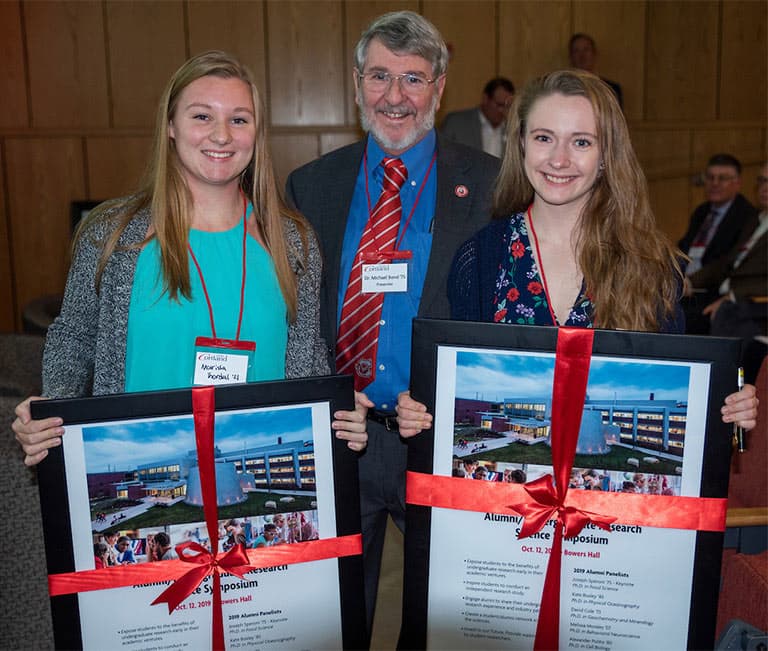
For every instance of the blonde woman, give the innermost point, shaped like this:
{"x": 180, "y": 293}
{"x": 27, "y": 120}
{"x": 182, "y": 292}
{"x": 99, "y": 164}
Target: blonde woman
{"x": 206, "y": 249}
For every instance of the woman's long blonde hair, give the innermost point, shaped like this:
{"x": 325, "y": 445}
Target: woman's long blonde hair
{"x": 631, "y": 271}
{"x": 165, "y": 191}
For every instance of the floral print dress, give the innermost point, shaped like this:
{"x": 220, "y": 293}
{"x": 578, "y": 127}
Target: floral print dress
{"x": 520, "y": 296}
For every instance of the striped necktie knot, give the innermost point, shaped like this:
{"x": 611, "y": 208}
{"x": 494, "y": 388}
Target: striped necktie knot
{"x": 395, "y": 174}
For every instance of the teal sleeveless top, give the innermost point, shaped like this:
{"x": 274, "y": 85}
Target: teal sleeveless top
{"x": 161, "y": 332}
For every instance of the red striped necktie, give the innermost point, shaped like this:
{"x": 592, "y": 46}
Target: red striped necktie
{"x": 358, "y": 337}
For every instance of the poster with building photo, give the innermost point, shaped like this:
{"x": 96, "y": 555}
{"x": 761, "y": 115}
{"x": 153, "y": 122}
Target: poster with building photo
{"x": 126, "y": 490}
{"x": 649, "y": 426}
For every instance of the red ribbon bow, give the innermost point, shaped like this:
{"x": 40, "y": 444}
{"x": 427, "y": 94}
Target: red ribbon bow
{"x": 235, "y": 561}
{"x": 544, "y": 505}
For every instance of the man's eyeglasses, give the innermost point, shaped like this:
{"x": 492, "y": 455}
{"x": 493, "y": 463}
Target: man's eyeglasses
{"x": 410, "y": 82}
{"x": 719, "y": 178}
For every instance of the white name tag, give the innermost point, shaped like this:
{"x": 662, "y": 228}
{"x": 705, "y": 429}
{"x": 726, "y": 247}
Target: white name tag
{"x": 220, "y": 368}
{"x": 387, "y": 277}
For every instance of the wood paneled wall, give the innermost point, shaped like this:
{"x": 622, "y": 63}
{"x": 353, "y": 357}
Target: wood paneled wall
{"x": 81, "y": 80}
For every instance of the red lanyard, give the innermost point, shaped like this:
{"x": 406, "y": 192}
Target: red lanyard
{"x": 242, "y": 284}
{"x": 541, "y": 268}
{"x": 415, "y": 203}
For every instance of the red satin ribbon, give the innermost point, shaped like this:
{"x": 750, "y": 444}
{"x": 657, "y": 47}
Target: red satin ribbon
{"x": 124, "y": 576}
{"x": 204, "y": 412}
{"x": 572, "y": 356}
{"x": 663, "y": 511}
{"x": 540, "y": 501}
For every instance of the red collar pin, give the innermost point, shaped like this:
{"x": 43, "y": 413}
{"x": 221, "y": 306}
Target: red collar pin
{"x": 461, "y": 191}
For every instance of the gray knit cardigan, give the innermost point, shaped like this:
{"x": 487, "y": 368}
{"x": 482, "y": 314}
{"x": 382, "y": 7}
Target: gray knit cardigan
{"x": 85, "y": 348}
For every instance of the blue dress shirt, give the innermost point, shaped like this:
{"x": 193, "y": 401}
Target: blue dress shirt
{"x": 393, "y": 358}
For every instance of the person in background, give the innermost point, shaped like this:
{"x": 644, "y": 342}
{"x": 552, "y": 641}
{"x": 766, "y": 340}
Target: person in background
{"x": 150, "y": 541}
{"x": 300, "y": 528}
{"x": 714, "y": 231}
{"x": 282, "y": 527}
{"x": 206, "y": 249}
{"x": 162, "y": 550}
{"x": 483, "y": 127}
{"x": 582, "y": 53}
{"x": 235, "y": 535}
{"x": 404, "y": 197}
{"x": 111, "y": 541}
{"x": 574, "y": 241}
{"x": 268, "y": 538}
{"x": 741, "y": 310}
{"x": 124, "y": 551}
{"x": 628, "y": 487}
{"x": 515, "y": 476}
{"x": 100, "y": 555}
{"x": 470, "y": 466}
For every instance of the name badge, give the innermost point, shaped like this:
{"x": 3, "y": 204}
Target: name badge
{"x": 385, "y": 277}
{"x": 222, "y": 361}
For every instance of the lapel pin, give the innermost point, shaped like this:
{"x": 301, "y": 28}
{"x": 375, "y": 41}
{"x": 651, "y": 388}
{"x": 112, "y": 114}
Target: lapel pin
{"x": 461, "y": 191}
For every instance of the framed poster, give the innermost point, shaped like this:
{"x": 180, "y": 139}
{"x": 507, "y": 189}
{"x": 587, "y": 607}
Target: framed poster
{"x": 125, "y": 489}
{"x": 650, "y": 426}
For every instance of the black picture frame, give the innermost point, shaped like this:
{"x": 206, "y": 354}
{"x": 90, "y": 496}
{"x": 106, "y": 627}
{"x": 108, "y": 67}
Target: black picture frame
{"x": 430, "y": 335}
{"x": 335, "y": 391}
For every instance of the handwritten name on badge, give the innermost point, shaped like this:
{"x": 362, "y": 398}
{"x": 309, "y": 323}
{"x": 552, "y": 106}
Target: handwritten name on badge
{"x": 392, "y": 277}
{"x": 220, "y": 368}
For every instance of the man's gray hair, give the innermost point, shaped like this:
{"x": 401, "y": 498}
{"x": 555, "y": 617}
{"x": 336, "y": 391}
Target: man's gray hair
{"x": 405, "y": 32}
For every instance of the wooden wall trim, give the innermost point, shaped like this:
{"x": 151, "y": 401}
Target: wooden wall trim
{"x": 82, "y": 77}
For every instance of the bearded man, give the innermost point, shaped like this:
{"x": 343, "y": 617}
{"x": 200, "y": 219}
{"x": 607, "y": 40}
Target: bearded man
{"x": 390, "y": 211}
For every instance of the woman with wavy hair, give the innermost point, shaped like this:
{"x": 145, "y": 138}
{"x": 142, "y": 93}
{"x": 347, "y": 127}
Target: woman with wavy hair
{"x": 204, "y": 257}
{"x": 574, "y": 241}
{"x": 572, "y": 210}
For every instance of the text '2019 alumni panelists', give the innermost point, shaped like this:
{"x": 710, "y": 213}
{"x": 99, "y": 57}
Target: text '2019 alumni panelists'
{"x": 403, "y": 197}
{"x": 206, "y": 248}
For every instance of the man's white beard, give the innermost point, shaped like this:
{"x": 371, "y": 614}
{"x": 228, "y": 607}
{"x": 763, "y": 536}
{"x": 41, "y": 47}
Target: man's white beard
{"x": 419, "y": 130}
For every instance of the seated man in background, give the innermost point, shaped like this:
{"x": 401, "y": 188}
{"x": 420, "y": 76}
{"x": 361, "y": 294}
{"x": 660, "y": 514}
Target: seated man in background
{"x": 715, "y": 229}
{"x": 582, "y": 53}
{"x": 741, "y": 310}
{"x": 483, "y": 127}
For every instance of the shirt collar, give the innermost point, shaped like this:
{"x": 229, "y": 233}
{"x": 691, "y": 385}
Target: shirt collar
{"x": 416, "y": 159}
{"x": 723, "y": 208}
{"x": 485, "y": 122}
